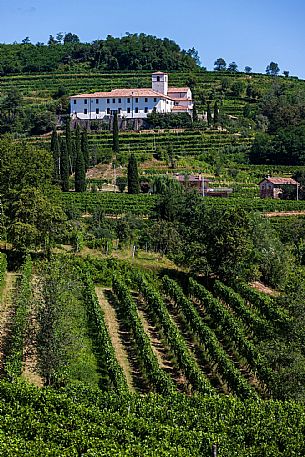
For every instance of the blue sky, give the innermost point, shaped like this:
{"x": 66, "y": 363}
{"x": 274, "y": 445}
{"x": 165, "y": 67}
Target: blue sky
{"x": 249, "y": 33}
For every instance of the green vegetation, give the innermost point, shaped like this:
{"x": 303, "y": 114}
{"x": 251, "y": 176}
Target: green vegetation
{"x": 150, "y": 293}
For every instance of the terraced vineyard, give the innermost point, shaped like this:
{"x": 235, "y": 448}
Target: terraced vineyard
{"x": 39, "y": 87}
{"x": 143, "y": 145}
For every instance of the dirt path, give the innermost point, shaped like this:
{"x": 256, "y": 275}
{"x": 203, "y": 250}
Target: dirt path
{"x": 160, "y": 352}
{"x": 30, "y": 369}
{"x": 284, "y": 214}
{"x": 6, "y": 313}
{"x": 113, "y": 327}
{"x": 265, "y": 289}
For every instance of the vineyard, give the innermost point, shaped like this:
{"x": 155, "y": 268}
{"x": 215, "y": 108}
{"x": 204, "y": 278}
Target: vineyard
{"x": 143, "y": 204}
{"x": 138, "y": 364}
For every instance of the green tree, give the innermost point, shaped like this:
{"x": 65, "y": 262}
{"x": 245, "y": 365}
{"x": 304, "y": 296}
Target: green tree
{"x": 209, "y": 115}
{"x": 55, "y": 149}
{"x": 232, "y": 67}
{"x": 272, "y": 69}
{"x": 69, "y": 145}
{"x": 216, "y": 114}
{"x": 220, "y": 64}
{"x": 64, "y": 167}
{"x": 80, "y": 171}
{"x": 35, "y": 221}
{"x": 115, "y": 134}
{"x": 85, "y": 148}
{"x": 132, "y": 175}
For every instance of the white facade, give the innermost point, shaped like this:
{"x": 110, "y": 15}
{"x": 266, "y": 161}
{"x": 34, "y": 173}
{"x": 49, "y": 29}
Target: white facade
{"x": 133, "y": 103}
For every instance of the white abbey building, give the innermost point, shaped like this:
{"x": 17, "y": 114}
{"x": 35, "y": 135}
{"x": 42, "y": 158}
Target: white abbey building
{"x": 133, "y": 103}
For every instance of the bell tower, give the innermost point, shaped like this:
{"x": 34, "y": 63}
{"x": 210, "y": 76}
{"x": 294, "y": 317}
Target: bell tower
{"x": 159, "y": 82}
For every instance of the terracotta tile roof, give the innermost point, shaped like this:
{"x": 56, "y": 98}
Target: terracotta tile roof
{"x": 178, "y": 89}
{"x": 181, "y": 99}
{"x": 124, "y": 93}
{"x": 280, "y": 181}
{"x": 159, "y": 73}
{"x": 180, "y": 108}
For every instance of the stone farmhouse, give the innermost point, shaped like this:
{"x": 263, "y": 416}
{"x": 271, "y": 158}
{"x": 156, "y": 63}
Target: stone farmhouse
{"x": 272, "y": 187}
{"x": 133, "y": 103}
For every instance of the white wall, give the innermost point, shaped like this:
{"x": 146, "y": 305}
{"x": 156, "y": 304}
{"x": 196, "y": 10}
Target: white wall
{"x": 77, "y": 108}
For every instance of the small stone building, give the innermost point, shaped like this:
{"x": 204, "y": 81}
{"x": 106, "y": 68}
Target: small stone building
{"x": 273, "y": 187}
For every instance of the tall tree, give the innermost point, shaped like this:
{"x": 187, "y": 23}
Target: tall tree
{"x": 64, "y": 167}
{"x": 195, "y": 113}
{"x": 115, "y": 134}
{"x": 209, "y": 114}
{"x": 69, "y": 145}
{"x": 80, "y": 172}
{"x": 55, "y": 149}
{"x": 220, "y": 64}
{"x": 216, "y": 114}
{"x": 85, "y": 148}
{"x": 133, "y": 176}
{"x": 272, "y": 69}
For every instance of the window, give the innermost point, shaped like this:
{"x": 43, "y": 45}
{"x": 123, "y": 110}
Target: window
{"x": 136, "y": 110}
{"x": 137, "y": 100}
{"x": 128, "y": 100}
{"x": 128, "y": 110}
{"x": 146, "y": 110}
{"x": 119, "y": 111}
{"x": 85, "y": 101}
{"x": 155, "y": 100}
{"x": 113, "y": 100}
{"x": 108, "y": 100}
{"x": 97, "y": 111}
{"x": 85, "y": 111}
{"x": 146, "y": 100}
{"x": 158, "y": 78}
{"x": 120, "y": 100}
{"x": 96, "y": 101}
{"x": 108, "y": 110}
{"x": 74, "y": 101}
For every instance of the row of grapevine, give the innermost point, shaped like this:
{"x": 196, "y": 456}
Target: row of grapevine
{"x": 109, "y": 202}
{"x": 173, "y": 336}
{"x": 157, "y": 378}
{"x": 103, "y": 341}
{"x": 264, "y": 303}
{"x": 232, "y": 327}
{"x": 14, "y": 358}
{"x": 261, "y": 327}
{"x": 83, "y": 421}
{"x": 225, "y": 366}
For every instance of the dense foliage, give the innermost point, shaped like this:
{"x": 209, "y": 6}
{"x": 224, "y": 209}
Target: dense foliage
{"x": 131, "y": 52}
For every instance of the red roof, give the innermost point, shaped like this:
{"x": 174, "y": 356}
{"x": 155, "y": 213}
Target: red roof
{"x": 180, "y": 108}
{"x": 281, "y": 181}
{"x": 124, "y": 93}
{"x": 178, "y": 89}
{"x": 159, "y": 73}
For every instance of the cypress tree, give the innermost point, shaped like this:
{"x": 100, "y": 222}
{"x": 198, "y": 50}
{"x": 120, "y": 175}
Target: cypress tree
{"x": 209, "y": 115}
{"x": 64, "y": 167}
{"x": 80, "y": 172}
{"x": 72, "y": 158}
{"x": 132, "y": 175}
{"x": 85, "y": 148}
{"x": 55, "y": 149}
{"x": 195, "y": 114}
{"x": 69, "y": 145}
{"x": 115, "y": 134}
{"x": 216, "y": 114}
